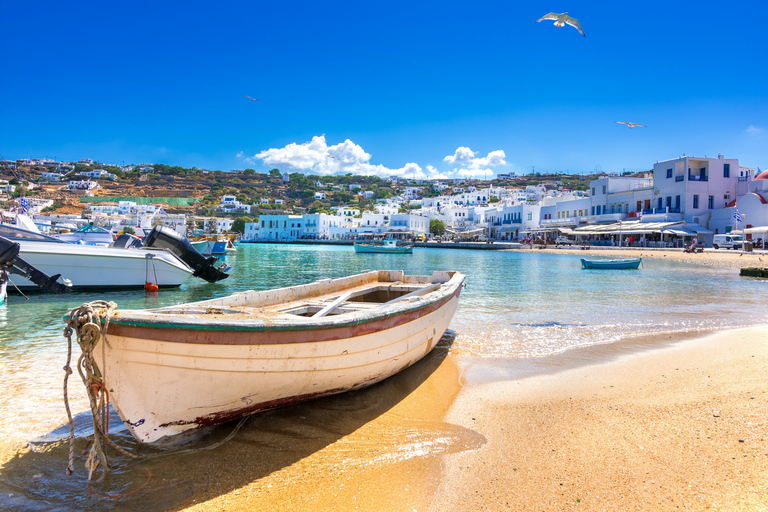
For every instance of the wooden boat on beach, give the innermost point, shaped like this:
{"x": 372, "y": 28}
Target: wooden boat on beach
{"x": 608, "y": 264}
{"x": 389, "y": 246}
{"x": 174, "y": 369}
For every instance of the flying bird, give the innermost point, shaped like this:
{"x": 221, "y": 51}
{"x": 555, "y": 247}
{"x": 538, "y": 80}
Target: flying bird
{"x": 631, "y": 125}
{"x": 562, "y": 20}
{"x": 253, "y": 99}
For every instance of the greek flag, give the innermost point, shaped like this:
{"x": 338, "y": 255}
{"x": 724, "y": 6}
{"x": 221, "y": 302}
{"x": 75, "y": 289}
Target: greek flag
{"x": 737, "y": 216}
{"x": 24, "y": 205}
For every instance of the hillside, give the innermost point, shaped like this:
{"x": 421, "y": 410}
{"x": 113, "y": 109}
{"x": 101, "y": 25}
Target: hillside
{"x": 298, "y": 194}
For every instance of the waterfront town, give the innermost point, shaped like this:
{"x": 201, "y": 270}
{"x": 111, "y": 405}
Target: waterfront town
{"x": 678, "y": 200}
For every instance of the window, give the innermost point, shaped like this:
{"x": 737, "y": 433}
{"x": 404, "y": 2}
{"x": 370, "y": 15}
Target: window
{"x": 695, "y": 201}
{"x": 711, "y": 202}
{"x": 262, "y": 223}
{"x": 604, "y": 189}
{"x": 669, "y": 173}
{"x": 726, "y": 170}
{"x": 593, "y": 190}
{"x": 530, "y": 215}
{"x": 593, "y": 210}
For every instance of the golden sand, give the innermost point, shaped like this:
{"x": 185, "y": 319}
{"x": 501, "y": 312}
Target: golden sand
{"x": 678, "y": 428}
{"x": 683, "y": 426}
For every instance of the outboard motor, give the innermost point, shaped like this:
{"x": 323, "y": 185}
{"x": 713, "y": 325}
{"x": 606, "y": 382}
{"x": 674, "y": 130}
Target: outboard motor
{"x": 205, "y": 268}
{"x": 11, "y": 263}
{"x": 126, "y": 240}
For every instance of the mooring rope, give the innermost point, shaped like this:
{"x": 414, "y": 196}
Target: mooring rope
{"x": 90, "y": 323}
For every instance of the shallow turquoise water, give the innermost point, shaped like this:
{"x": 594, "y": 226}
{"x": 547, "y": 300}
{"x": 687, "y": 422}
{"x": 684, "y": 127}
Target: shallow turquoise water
{"x": 516, "y": 304}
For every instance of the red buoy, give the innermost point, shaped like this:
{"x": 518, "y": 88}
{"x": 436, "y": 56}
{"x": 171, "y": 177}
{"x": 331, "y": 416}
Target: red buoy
{"x": 151, "y": 287}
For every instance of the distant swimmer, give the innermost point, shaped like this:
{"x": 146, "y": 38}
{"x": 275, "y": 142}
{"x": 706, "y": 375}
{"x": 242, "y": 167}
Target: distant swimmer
{"x": 252, "y": 99}
{"x": 562, "y": 20}
{"x": 631, "y": 125}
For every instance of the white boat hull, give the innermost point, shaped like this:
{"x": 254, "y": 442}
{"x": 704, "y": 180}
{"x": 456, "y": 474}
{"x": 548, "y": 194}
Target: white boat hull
{"x": 181, "y": 381}
{"x": 96, "y": 268}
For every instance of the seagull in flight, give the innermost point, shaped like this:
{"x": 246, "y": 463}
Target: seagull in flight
{"x": 562, "y": 20}
{"x": 631, "y": 125}
{"x": 252, "y": 99}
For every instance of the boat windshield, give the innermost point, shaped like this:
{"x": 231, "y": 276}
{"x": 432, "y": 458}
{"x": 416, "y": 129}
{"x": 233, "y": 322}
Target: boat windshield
{"x": 14, "y": 233}
{"x": 90, "y": 228}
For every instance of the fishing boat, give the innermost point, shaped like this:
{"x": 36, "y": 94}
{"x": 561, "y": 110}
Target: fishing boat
{"x": 617, "y": 264}
{"x": 175, "y": 369}
{"x": 389, "y": 246}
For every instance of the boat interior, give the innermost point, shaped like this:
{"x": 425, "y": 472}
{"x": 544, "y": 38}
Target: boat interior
{"x": 336, "y": 297}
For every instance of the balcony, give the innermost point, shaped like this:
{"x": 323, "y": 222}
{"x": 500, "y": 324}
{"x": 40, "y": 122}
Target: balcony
{"x": 679, "y": 178}
{"x": 695, "y": 177}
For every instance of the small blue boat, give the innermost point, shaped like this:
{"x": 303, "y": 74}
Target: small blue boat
{"x": 622, "y": 263}
{"x": 389, "y": 246}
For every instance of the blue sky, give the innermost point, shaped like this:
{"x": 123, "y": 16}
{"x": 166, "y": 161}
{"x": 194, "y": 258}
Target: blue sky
{"x": 414, "y": 88}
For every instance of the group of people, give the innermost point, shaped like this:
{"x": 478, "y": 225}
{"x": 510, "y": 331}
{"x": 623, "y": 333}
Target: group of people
{"x": 692, "y": 247}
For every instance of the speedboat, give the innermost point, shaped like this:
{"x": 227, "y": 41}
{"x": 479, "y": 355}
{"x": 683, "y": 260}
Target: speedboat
{"x": 163, "y": 259}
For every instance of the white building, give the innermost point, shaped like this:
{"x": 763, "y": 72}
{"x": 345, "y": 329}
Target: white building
{"x": 280, "y": 227}
{"x": 82, "y": 185}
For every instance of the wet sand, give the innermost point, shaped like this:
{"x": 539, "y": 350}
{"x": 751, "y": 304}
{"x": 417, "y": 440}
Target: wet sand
{"x": 618, "y": 428}
{"x": 678, "y": 428}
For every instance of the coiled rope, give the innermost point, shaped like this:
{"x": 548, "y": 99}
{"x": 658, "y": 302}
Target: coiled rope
{"x": 90, "y": 323}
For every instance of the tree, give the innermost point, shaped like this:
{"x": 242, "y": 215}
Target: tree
{"x": 436, "y": 227}
{"x": 494, "y": 199}
{"x": 249, "y": 171}
{"x": 238, "y": 225}
{"x": 274, "y": 172}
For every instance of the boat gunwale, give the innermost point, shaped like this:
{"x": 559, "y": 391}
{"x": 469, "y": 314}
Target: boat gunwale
{"x": 155, "y": 319}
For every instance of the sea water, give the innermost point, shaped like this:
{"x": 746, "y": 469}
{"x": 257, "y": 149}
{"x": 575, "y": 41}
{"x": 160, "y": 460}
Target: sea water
{"x": 519, "y": 304}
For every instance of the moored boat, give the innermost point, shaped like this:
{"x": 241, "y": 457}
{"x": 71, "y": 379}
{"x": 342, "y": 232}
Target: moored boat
{"x": 625, "y": 263}
{"x": 174, "y": 369}
{"x": 389, "y": 246}
{"x": 163, "y": 260}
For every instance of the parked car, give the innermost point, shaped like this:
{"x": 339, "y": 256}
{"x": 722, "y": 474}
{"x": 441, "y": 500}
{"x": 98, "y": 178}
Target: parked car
{"x": 564, "y": 240}
{"x": 727, "y": 241}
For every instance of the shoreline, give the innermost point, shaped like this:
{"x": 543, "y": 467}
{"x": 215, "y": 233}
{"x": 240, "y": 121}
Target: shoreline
{"x": 682, "y": 425}
{"x": 710, "y": 257}
{"x": 625, "y": 426}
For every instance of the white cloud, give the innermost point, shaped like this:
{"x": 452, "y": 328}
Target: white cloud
{"x": 753, "y": 129}
{"x": 239, "y": 154}
{"x": 317, "y": 157}
{"x": 461, "y": 156}
{"x": 435, "y": 174}
{"x": 476, "y": 167}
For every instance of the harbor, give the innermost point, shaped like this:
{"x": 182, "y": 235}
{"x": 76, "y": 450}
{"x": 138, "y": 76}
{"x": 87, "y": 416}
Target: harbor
{"x": 509, "y": 328}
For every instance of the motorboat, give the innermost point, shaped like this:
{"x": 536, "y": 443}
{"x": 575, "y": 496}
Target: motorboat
{"x": 88, "y": 235}
{"x": 625, "y": 263}
{"x": 178, "y": 368}
{"x": 162, "y": 259}
{"x": 388, "y": 246}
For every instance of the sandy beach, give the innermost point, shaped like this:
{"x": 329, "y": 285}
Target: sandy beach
{"x": 655, "y": 424}
{"x": 710, "y": 257}
{"x": 642, "y": 425}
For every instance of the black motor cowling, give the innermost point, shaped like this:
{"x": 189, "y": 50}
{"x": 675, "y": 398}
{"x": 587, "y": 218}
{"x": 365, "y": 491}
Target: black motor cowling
{"x": 205, "y": 268}
{"x": 11, "y": 263}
